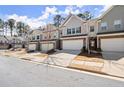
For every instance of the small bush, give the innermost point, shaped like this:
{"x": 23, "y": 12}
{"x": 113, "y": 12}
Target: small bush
{"x": 99, "y": 49}
{"x": 83, "y": 49}
{"x": 51, "y": 51}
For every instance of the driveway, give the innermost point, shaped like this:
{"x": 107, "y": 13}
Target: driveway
{"x": 113, "y": 55}
{"x": 15, "y": 72}
{"x": 114, "y": 64}
{"x": 63, "y": 57}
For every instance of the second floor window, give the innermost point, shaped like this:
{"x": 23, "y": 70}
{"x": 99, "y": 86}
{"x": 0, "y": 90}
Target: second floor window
{"x": 73, "y": 30}
{"x": 33, "y": 38}
{"x": 68, "y": 31}
{"x": 117, "y": 24}
{"x": 38, "y": 37}
{"x": 45, "y": 37}
{"x": 104, "y": 26}
{"x": 78, "y": 30}
{"x": 91, "y": 28}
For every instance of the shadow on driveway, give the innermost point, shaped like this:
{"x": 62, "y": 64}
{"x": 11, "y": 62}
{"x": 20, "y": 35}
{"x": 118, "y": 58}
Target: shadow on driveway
{"x": 113, "y": 55}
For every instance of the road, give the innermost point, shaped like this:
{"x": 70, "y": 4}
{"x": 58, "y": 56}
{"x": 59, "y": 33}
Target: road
{"x": 15, "y": 72}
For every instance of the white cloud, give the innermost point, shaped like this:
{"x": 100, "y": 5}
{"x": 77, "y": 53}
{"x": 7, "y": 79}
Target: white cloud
{"x": 71, "y": 9}
{"x": 33, "y": 22}
{"x": 105, "y": 8}
{"x": 80, "y": 6}
{"x": 96, "y": 9}
{"x": 48, "y": 11}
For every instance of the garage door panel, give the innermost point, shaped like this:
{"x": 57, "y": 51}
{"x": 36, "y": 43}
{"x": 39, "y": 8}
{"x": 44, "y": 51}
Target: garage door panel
{"x": 113, "y": 44}
{"x": 32, "y": 47}
{"x": 72, "y": 44}
{"x": 46, "y": 47}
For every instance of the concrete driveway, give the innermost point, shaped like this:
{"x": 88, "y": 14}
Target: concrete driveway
{"x": 63, "y": 57}
{"x": 113, "y": 55}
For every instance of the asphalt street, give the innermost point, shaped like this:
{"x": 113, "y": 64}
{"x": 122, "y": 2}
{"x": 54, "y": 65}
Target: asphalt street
{"x": 16, "y": 72}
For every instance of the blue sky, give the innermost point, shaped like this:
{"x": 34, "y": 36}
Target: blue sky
{"x": 36, "y": 15}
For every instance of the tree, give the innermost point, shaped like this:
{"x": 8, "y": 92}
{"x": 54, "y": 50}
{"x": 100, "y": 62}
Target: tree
{"x": 26, "y": 29}
{"x": 81, "y": 15}
{"x": 11, "y": 23}
{"x": 2, "y": 26}
{"x": 20, "y": 28}
{"x": 57, "y": 20}
{"x": 6, "y": 27}
{"x": 86, "y": 15}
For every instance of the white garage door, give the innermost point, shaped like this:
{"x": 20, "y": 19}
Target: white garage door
{"x": 72, "y": 44}
{"x": 46, "y": 47}
{"x": 32, "y": 47}
{"x": 18, "y": 46}
{"x": 113, "y": 44}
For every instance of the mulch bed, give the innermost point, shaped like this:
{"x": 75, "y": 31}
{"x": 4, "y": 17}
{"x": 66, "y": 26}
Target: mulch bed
{"x": 93, "y": 57}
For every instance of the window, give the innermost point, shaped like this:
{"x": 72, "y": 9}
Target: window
{"x": 54, "y": 36}
{"x": 117, "y": 24}
{"x": 73, "y": 30}
{"x": 45, "y": 37}
{"x": 68, "y": 31}
{"x": 104, "y": 26}
{"x": 38, "y": 37}
{"x": 33, "y": 38}
{"x": 91, "y": 28}
{"x": 78, "y": 30}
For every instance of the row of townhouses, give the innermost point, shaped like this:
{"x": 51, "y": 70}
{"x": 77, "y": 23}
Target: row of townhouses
{"x": 105, "y": 33}
{"x": 7, "y": 42}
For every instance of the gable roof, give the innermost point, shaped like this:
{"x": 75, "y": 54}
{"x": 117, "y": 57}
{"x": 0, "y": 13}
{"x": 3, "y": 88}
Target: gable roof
{"x": 36, "y": 31}
{"x": 69, "y": 17}
{"x": 107, "y": 11}
{"x": 49, "y": 27}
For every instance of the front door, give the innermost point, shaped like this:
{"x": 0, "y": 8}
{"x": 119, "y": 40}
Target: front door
{"x": 93, "y": 43}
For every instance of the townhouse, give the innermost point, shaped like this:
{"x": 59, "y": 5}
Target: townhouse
{"x": 92, "y": 29}
{"x": 4, "y": 44}
{"x": 50, "y": 38}
{"x": 7, "y": 42}
{"x": 73, "y": 33}
{"x": 110, "y": 36}
{"x": 105, "y": 33}
{"x": 34, "y": 38}
{"x": 44, "y": 39}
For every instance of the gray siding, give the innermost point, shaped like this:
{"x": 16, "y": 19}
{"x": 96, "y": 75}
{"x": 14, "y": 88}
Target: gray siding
{"x": 116, "y": 13}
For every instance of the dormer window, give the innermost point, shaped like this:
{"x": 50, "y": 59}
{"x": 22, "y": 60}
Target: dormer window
{"x": 104, "y": 26}
{"x": 117, "y": 24}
